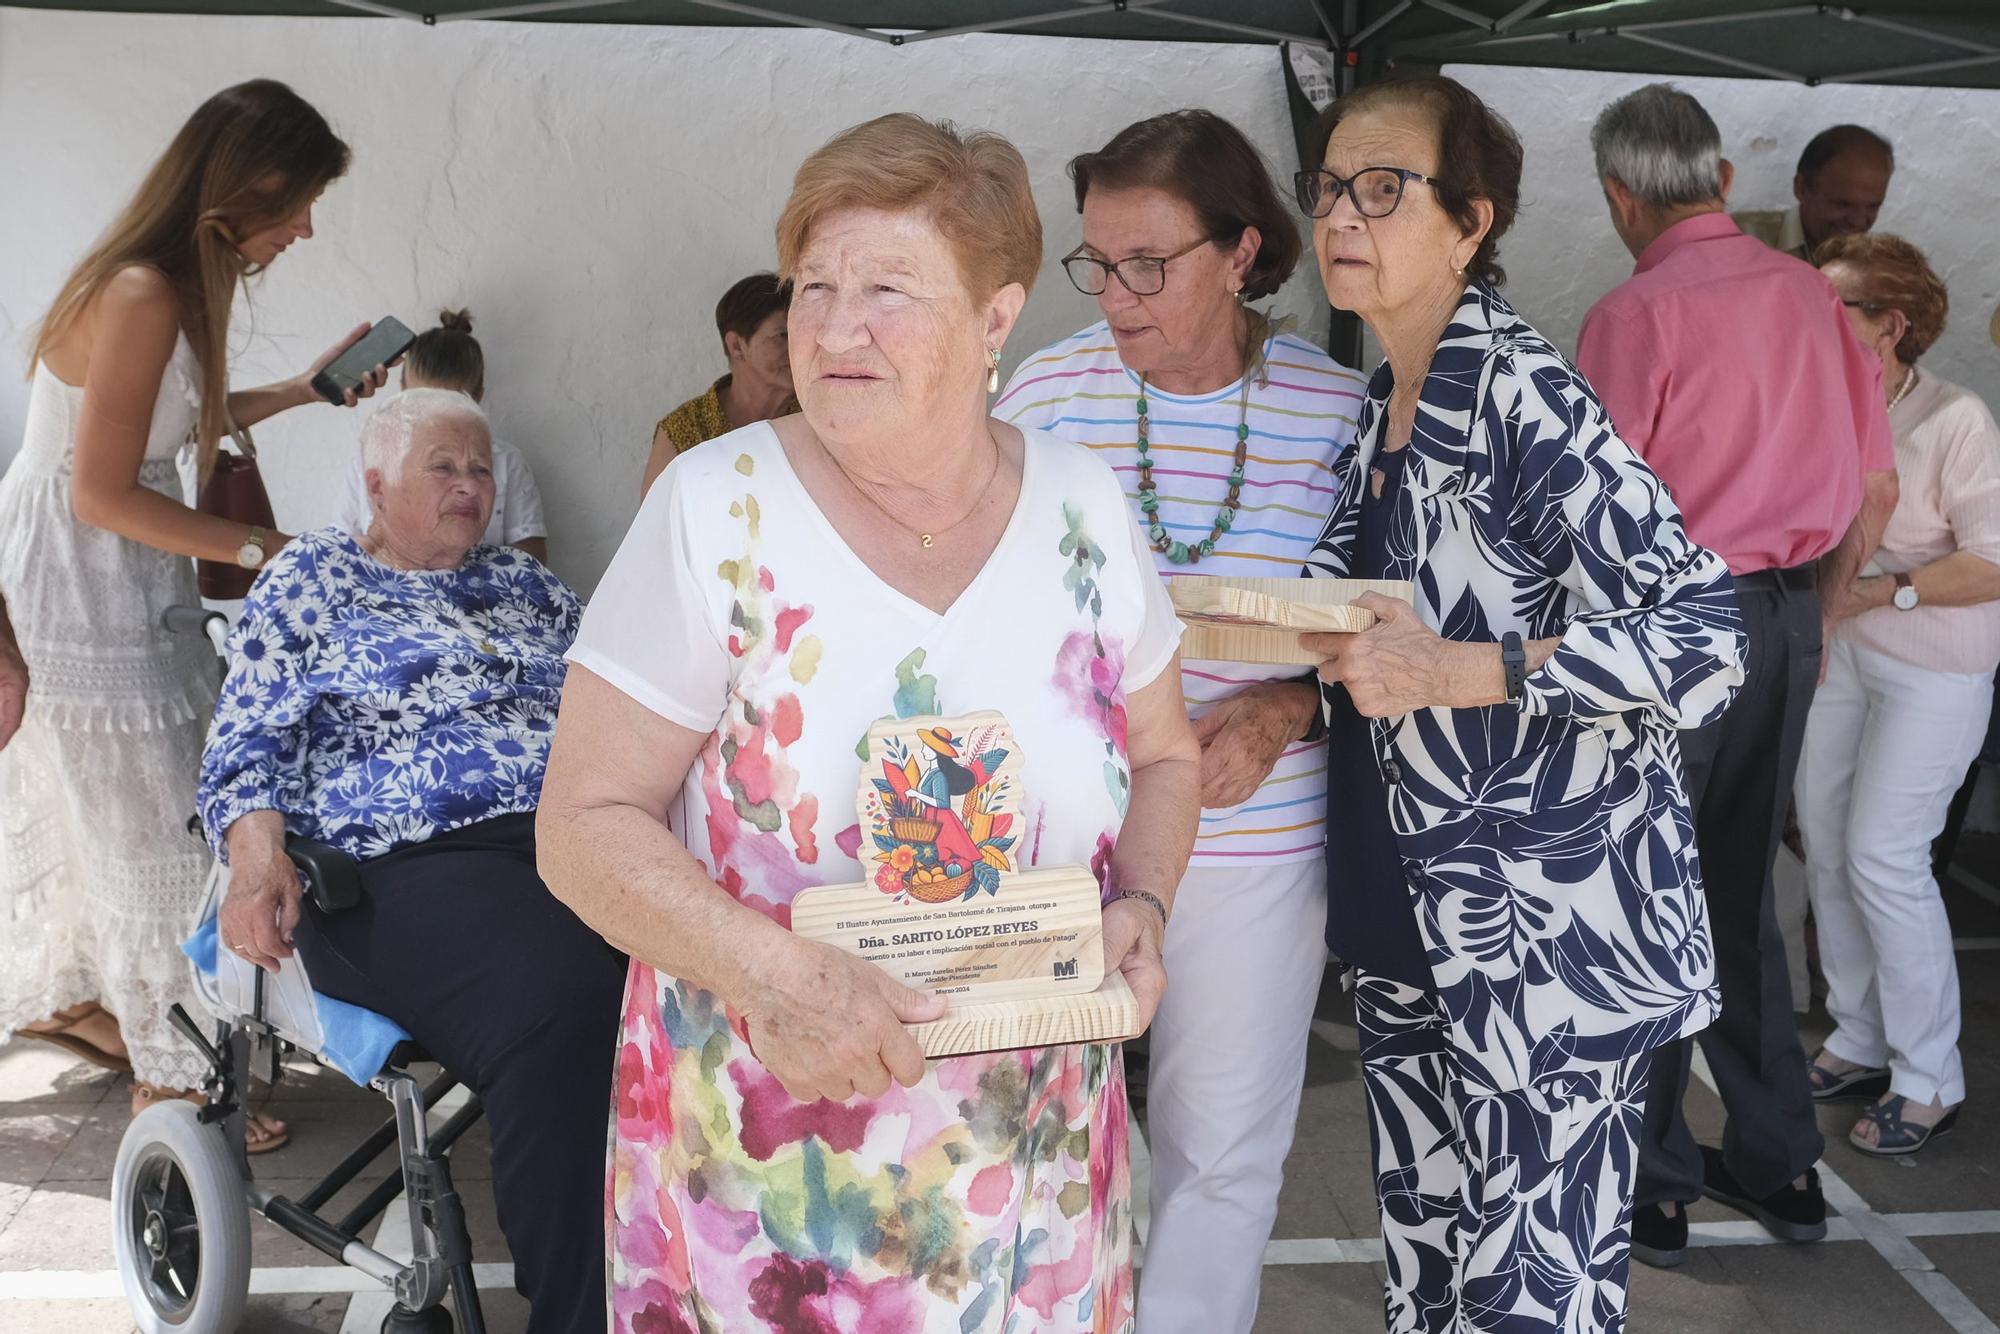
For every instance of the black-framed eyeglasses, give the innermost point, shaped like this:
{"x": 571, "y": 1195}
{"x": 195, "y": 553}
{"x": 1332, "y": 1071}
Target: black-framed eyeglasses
{"x": 1375, "y": 190}
{"x": 1865, "y": 307}
{"x": 1141, "y": 275}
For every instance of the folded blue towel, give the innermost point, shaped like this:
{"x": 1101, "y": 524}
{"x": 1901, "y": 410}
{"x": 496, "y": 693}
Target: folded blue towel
{"x": 357, "y": 1042}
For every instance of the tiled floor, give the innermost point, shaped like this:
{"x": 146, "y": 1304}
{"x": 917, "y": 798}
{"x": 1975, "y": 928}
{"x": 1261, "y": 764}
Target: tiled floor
{"x": 1918, "y": 1249}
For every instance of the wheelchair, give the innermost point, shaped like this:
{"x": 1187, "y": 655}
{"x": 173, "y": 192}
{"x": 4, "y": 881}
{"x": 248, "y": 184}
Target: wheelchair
{"x": 182, "y": 1190}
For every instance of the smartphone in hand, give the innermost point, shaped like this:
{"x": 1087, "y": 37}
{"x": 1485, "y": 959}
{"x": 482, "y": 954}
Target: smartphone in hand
{"x": 389, "y": 339}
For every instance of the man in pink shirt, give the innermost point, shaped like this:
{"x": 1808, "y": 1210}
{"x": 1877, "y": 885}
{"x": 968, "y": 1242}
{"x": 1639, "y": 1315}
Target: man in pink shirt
{"x": 1731, "y": 370}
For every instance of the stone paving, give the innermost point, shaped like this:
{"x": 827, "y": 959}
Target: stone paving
{"x": 1915, "y": 1247}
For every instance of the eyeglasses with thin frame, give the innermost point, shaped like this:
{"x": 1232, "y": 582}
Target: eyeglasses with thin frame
{"x": 1865, "y": 307}
{"x": 1141, "y": 275}
{"x": 1375, "y": 190}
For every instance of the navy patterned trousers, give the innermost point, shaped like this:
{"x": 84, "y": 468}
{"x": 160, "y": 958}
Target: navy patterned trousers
{"x": 1503, "y": 1212}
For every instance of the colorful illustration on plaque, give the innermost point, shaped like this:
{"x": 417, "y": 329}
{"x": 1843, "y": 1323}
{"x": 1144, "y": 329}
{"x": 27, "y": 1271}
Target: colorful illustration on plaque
{"x": 942, "y": 810}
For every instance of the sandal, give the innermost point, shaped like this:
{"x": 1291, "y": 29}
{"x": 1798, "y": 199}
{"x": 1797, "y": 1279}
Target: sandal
{"x": 1895, "y": 1137}
{"x": 1861, "y": 1084}
{"x": 254, "y": 1122}
{"x": 63, "y": 1035}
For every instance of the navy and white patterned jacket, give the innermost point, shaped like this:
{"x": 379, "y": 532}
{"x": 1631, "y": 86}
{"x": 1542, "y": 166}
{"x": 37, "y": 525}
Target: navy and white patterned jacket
{"x": 1548, "y": 844}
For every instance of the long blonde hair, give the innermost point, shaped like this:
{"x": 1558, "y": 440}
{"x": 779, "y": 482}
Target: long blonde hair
{"x": 250, "y": 157}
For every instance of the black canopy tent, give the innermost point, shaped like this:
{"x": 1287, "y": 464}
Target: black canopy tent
{"x": 1931, "y": 42}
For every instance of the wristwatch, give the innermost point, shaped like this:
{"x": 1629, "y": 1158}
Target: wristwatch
{"x": 252, "y": 554}
{"x": 1316, "y": 728}
{"x": 1514, "y": 664}
{"x": 1906, "y": 598}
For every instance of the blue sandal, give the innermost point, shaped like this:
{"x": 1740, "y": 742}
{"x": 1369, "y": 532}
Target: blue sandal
{"x": 1861, "y": 1084}
{"x": 1895, "y": 1137}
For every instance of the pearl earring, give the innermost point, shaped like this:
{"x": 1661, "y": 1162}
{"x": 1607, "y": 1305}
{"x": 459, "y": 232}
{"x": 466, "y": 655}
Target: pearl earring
{"x": 993, "y": 372}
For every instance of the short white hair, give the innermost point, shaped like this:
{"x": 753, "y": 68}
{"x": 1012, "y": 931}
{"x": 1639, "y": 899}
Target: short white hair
{"x": 386, "y": 436}
{"x": 1660, "y": 144}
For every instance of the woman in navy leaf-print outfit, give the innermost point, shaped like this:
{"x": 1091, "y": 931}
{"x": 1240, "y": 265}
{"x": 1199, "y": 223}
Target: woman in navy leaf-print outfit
{"x": 1520, "y": 894}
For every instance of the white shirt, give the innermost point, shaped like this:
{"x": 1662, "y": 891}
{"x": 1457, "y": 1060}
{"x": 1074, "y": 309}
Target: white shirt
{"x": 517, "y": 501}
{"x": 1948, "y": 467}
{"x": 735, "y": 609}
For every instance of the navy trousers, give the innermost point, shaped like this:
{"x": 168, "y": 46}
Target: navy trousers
{"x": 458, "y": 940}
{"x": 1739, "y": 778}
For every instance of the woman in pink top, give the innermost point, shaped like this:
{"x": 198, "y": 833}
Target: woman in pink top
{"x": 1909, "y": 686}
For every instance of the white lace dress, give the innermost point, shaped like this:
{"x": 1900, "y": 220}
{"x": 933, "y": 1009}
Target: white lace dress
{"x": 99, "y": 876}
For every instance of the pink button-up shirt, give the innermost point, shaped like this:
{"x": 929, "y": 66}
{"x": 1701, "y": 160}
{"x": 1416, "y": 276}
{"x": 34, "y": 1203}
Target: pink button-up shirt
{"x": 1731, "y": 370}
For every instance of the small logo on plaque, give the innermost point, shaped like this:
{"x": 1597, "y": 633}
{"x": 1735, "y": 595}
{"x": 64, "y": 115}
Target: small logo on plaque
{"x": 1064, "y": 967}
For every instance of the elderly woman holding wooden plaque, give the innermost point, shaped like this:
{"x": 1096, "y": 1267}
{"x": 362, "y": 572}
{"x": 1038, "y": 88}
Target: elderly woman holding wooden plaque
{"x": 1524, "y": 906}
{"x": 783, "y": 1157}
{"x": 1224, "y": 429}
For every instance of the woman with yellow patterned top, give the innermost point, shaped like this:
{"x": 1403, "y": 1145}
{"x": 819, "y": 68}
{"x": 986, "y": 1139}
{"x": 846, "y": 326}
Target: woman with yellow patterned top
{"x": 751, "y": 320}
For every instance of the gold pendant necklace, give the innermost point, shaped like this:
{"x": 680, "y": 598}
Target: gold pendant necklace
{"x": 466, "y": 626}
{"x": 924, "y": 540}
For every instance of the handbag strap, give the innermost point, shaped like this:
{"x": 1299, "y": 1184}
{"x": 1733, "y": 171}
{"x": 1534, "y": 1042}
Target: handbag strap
{"x": 238, "y": 435}
{"x": 241, "y": 435}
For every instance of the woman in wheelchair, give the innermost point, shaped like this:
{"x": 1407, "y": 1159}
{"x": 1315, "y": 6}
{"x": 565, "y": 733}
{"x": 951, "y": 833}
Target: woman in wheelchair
{"x": 393, "y": 695}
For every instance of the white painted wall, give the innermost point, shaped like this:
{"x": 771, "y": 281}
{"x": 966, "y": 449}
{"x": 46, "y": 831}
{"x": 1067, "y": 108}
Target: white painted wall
{"x": 587, "y": 191}
{"x": 1562, "y": 254}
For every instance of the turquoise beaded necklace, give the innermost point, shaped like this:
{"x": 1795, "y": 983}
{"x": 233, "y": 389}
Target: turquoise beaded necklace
{"x": 1178, "y": 552}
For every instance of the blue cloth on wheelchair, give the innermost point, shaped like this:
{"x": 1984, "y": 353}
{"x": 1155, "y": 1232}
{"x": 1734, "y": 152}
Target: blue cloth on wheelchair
{"x": 358, "y": 1041}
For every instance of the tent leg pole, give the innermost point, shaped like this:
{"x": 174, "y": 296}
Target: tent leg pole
{"x": 1345, "y": 327}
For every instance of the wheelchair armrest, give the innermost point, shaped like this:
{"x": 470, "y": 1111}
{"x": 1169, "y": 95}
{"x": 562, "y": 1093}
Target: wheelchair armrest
{"x": 333, "y": 879}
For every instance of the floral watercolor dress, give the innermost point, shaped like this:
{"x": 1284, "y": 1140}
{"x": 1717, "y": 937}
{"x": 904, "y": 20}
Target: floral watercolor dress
{"x": 994, "y": 1196}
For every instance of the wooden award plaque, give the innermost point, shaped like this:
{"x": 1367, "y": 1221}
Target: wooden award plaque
{"x": 1018, "y": 955}
{"x": 1231, "y": 619}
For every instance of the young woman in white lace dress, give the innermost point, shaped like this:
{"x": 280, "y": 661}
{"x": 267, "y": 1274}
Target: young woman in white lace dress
{"x": 99, "y": 877}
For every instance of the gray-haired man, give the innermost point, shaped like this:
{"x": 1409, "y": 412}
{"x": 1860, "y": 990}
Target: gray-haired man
{"x": 1730, "y": 369}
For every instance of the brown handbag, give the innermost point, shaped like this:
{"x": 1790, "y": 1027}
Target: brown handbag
{"x": 235, "y": 491}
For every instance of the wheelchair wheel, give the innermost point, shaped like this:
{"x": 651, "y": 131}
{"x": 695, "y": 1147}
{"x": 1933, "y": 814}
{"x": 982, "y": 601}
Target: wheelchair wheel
{"x": 437, "y": 1320}
{"x": 180, "y": 1224}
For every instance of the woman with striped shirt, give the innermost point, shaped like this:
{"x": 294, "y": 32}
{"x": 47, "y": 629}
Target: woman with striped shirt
{"x": 1224, "y": 430}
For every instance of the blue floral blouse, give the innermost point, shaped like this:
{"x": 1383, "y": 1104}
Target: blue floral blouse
{"x": 375, "y": 707}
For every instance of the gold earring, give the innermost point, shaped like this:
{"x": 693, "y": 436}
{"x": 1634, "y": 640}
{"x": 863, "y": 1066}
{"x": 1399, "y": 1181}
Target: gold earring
{"x": 993, "y": 372}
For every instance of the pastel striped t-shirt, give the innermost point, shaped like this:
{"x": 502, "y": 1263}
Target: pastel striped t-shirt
{"x": 1300, "y": 420}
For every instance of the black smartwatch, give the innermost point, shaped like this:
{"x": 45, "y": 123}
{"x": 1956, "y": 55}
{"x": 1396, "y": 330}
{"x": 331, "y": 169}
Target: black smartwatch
{"x": 1316, "y": 729}
{"x": 1514, "y": 661}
